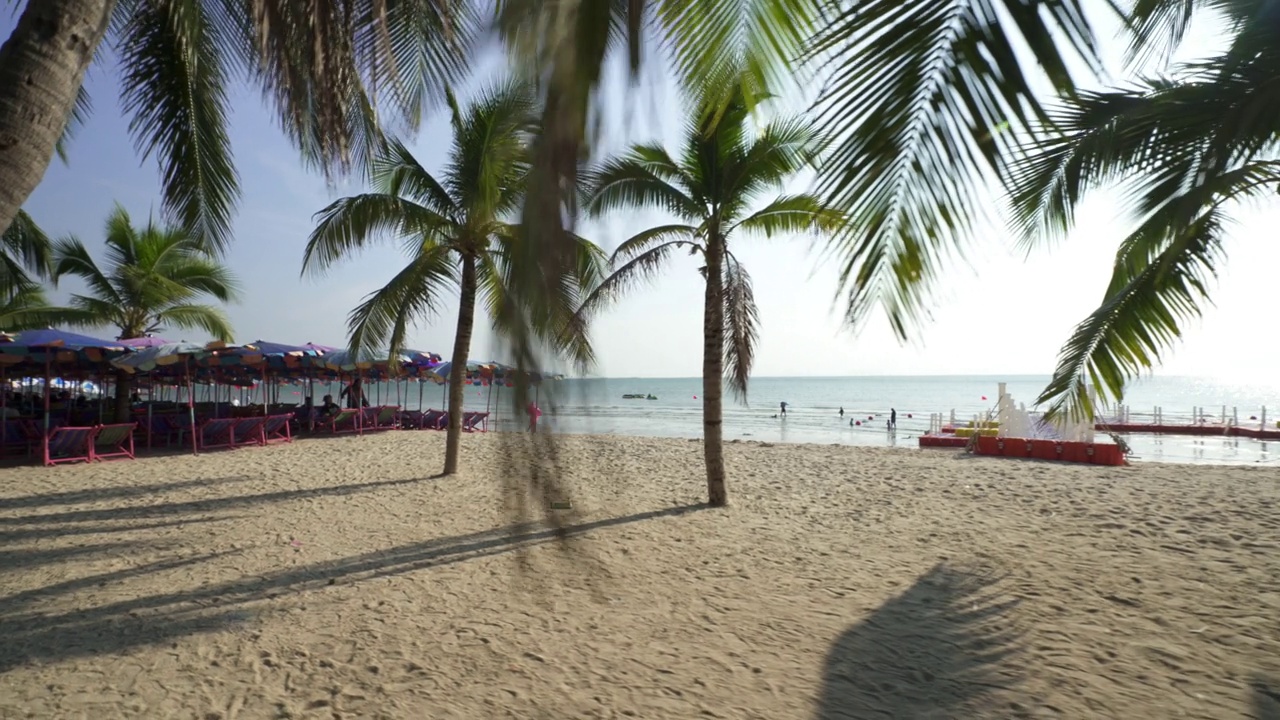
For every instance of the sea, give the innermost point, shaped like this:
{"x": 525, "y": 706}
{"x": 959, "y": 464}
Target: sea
{"x": 813, "y": 409}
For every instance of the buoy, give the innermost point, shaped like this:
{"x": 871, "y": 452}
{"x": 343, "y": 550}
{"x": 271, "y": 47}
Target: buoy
{"x": 858, "y": 422}
{"x": 695, "y": 397}
{"x": 908, "y": 415}
{"x": 871, "y": 417}
{"x": 984, "y": 397}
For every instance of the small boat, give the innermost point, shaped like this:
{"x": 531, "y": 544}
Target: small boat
{"x": 635, "y": 396}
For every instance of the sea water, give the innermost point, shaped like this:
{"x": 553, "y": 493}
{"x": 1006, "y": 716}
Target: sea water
{"x": 813, "y": 409}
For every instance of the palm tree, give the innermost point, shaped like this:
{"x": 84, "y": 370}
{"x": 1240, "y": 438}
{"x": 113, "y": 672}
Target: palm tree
{"x": 319, "y": 62}
{"x": 722, "y": 169}
{"x": 924, "y": 102}
{"x": 1189, "y": 147}
{"x": 156, "y": 277}
{"x": 455, "y": 228}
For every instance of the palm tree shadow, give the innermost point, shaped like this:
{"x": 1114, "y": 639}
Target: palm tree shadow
{"x": 1265, "y": 697}
{"x": 33, "y": 634}
{"x": 936, "y": 650}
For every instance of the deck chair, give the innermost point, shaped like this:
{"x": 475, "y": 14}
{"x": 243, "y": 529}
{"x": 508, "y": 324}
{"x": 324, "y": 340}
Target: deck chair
{"x": 69, "y": 444}
{"x": 411, "y": 419}
{"x": 344, "y": 421}
{"x": 475, "y": 421}
{"x": 276, "y": 429}
{"x": 216, "y": 433}
{"x": 114, "y": 441}
{"x": 248, "y": 431}
{"x": 435, "y": 420}
{"x": 383, "y": 417}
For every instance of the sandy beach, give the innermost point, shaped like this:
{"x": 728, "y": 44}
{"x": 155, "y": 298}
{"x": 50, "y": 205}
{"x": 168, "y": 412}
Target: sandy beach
{"x": 336, "y": 578}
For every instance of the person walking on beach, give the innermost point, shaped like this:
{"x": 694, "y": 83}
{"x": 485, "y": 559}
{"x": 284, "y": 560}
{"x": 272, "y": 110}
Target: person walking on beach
{"x": 354, "y": 393}
{"x": 893, "y": 418}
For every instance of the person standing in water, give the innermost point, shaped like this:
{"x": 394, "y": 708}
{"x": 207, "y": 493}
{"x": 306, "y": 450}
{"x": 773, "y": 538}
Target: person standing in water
{"x": 784, "y": 408}
{"x": 893, "y": 418}
{"x": 842, "y": 411}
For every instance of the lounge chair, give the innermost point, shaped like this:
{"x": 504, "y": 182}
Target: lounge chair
{"x": 475, "y": 421}
{"x": 114, "y": 441}
{"x": 68, "y": 445}
{"x": 382, "y": 418}
{"x": 216, "y": 433}
{"x": 344, "y": 421}
{"x": 276, "y": 429}
{"x": 248, "y": 431}
{"x": 435, "y": 419}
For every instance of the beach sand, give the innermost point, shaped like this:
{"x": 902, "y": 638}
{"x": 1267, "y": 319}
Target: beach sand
{"x": 336, "y": 578}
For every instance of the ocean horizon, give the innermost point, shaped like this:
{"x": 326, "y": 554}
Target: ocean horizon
{"x": 597, "y": 406}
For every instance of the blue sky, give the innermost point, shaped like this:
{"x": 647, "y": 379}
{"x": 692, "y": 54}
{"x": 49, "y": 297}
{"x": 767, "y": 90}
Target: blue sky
{"x": 1003, "y": 312}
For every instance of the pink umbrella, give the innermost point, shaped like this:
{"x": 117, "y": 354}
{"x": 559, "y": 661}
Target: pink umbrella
{"x": 145, "y": 342}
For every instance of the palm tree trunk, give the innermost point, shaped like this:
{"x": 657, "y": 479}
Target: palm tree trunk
{"x": 42, "y": 65}
{"x": 713, "y": 373}
{"x": 124, "y": 389}
{"x": 458, "y": 370}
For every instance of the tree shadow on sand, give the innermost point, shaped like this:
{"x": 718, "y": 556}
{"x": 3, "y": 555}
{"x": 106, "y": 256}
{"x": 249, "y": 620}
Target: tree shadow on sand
{"x": 939, "y": 649}
{"x": 112, "y": 493}
{"x": 1265, "y": 696}
{"x": 32, "y": 634}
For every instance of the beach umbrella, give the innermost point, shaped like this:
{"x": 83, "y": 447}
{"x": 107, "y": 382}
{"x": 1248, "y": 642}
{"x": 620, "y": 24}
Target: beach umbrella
{"x": 153, "y": 356}
{"x": 144, "y": 342}
{"x": 65, "y": 346}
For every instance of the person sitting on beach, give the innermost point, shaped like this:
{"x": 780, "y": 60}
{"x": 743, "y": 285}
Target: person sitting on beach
{"x": 329, "y": 407}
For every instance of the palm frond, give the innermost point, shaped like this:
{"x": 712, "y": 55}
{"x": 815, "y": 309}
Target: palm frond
{"x": 382, "y": 320}
{"x": 174, "y": 86}
{"x": 80, "y": 113}
{"x": 644, "y": 239}
{"x": 26, "y": 253}
{"x": 742, "y": 323}
{"x": 489, "y": 158}
{"x": 792, "y": 214}
{"x": 397, "y": 172}
{"x": 917, "y": 99}
{"x": 71, "y": 257}
{"x": 324, "y": 63}
{"x": 208, "y": 318}
{"x": 641, "y": 268}
{"x": 627, "y": 183}
{"x": 350, "y": 224}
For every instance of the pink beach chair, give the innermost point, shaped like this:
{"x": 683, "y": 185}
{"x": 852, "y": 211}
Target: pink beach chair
{"x": 344, "y": 421}
{"x": 216, "y": 433}
{"x": 248, "y": 431}
{"x": 114, "y": 441}
{"x": 276, "y": 429}
{"x": 475, "y": 421}
{"x": 68, "y": 445}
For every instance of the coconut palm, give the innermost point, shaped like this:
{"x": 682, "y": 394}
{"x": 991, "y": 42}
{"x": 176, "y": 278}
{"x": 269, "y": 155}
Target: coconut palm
{"x": 711, "y": 187}
{"x": 1188, "y": 148}
{"x": 155, "y": 277}
{"x": 456, "y": 230}
{"x": 320, "y": 63}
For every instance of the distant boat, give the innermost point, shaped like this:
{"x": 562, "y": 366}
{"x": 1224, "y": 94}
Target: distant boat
{"x": 633, "y": 396}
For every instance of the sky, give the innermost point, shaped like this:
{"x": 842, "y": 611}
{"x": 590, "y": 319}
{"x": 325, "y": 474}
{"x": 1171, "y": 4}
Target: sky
{"x": 1004, "y": 311}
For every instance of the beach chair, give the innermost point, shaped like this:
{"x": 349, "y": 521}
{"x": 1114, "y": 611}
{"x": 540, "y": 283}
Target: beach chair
{"x": 475, "y": 421}
{"x": 114, "y": 441}
{"x": 69, "y": 444}
{"x": 344, "y": 421}
{"x": 248, "y": 431}
{"x": 216, "y": 433}
{"x": 411, "y": 419}
{"x": 435, "y": 420}
{"x": 383, "y": 417}
{"x": 276, "y": 429}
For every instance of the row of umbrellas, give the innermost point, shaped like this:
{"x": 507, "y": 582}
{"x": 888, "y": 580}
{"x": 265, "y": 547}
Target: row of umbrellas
{"x": 72, "y": 353}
